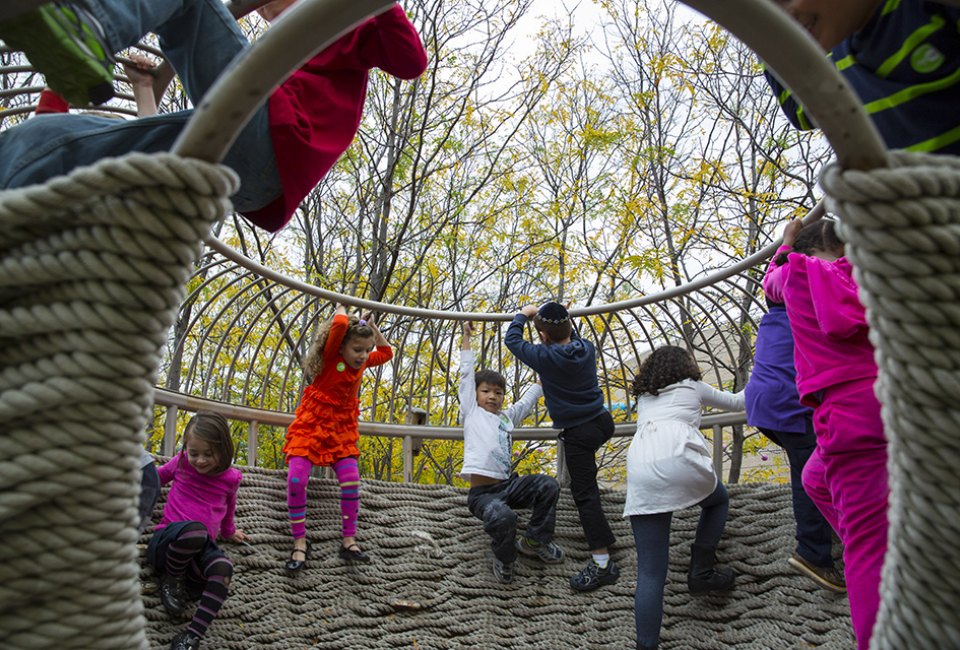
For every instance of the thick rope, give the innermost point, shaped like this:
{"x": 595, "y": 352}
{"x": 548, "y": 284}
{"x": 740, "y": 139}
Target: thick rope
{"x": 902, "y": 226}
{"x": 92, "y": 269}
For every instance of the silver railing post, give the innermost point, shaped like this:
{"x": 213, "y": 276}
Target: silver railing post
{"x": 718, "y": 450}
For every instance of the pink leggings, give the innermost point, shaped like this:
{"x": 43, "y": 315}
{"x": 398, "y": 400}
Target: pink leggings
{"x": 847, "y": 478}
{"x": 297, "y": 478}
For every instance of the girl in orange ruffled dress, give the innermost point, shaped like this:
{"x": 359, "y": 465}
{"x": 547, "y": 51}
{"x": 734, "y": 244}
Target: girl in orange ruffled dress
{"x": 324, "y": 431}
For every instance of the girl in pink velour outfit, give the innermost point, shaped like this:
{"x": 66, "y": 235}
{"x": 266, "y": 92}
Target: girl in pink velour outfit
{"x": 847, "y": 475}
{"x": 200, "y": 506}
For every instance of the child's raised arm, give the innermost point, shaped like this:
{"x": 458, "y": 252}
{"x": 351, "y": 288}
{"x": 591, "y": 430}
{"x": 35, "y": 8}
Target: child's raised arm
{"x": 773, "y": 278}
{"x": 468, "y": 384}
{"x": 378, "y": 339}
{"x": 140, "y": 72}
{"x": 527, "y": 352}
{"x": 384, "y": 352}
{"x": 467, "y": 329}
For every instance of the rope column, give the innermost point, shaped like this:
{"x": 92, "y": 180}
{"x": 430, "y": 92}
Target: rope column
{"x": 902, "y": 226}
{"x": 92, "y": 269}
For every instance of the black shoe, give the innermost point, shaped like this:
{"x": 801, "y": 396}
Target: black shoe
{"x": 592, "y": 576}
{"x": 353, "y": 553}
{"x": 67, "y": 44}
{"x": 173, "y": 595}
{"x": 502, "y": 571}
{"x": 294, "y": 565}
{"x": 704, "y": 576}
{"x": 185, "y": 641}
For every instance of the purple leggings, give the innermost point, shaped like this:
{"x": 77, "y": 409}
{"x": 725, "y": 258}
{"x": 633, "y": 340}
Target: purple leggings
{"x": 847, "y": 478}
{"x": 297, "y": 478}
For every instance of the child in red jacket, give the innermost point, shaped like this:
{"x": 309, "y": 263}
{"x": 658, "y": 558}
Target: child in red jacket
{"x": 281, "y": 154}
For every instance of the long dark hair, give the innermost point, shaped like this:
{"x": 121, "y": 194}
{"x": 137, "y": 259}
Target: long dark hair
{"x": 821, "y": 235}
{"x": 213, "y": 429}
{"x": 664, "y": 366}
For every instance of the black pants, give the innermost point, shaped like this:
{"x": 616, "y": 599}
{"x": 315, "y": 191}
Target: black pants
{"x": 494, "y": 505}
{"x": 814, "y": 535}
{"x": 580, "y": 445}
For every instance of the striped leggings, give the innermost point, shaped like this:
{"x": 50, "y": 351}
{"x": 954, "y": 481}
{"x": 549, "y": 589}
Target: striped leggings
{"x": 298, "y": 476}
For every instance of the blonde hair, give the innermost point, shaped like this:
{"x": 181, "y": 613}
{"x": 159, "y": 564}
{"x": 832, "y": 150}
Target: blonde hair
{"x": 313, "y": 363}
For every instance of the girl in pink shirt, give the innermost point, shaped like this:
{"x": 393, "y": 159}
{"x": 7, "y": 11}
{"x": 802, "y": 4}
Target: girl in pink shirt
{"x": 200, "y": 506}
{"x": 847, "y": 475}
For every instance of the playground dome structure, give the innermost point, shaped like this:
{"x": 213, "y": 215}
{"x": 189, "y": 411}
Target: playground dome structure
{"x": 94, "y": 270}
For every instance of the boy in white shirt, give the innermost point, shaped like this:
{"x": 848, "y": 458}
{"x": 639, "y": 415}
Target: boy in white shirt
{"x": 495, "y": 490}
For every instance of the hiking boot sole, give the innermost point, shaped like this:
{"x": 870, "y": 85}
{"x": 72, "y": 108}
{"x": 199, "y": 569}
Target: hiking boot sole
{"x": 802, "y": 568}
{"x": 68, "y": 49}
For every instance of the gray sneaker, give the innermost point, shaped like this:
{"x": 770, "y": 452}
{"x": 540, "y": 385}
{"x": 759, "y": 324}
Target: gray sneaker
{"x": 502, "y": 571}
{"x": 549, "y": 553}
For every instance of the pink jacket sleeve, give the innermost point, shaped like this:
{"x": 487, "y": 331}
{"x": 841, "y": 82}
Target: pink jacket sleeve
{"x": 835, "y": 299}
{"x": 773, "y": 279}
{"x": 168, "y": 469}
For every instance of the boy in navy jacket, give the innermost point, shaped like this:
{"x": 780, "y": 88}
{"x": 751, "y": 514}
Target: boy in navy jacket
{"x": 567, "y": 365}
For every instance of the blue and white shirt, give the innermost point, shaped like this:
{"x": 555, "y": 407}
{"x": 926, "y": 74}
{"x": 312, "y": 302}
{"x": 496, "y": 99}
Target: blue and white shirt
{"x": 487, "y": 437}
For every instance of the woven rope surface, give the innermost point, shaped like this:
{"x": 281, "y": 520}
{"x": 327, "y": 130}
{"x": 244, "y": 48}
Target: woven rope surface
{"x": 427, "y": 548}
{"x": 92, "y": 268}
{"x": 903, "y": 229}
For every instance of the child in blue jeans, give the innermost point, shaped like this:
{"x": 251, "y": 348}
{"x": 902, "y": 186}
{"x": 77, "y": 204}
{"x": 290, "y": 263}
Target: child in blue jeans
{"x": 496, "y": 491}
{"x": 567, "y": 365}
{"x": 287, "y": 147}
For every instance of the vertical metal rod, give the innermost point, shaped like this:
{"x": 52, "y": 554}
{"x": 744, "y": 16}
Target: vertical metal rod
{"x": 253, "y": 429}
{"x": 718, "y": 451}
{"x": 407, "y": 459}
{"x": 169, "y": 431}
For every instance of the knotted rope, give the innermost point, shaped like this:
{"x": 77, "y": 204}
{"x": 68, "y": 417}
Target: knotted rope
{"x": 902, "y": 225}
{"x": 92, "y": 269}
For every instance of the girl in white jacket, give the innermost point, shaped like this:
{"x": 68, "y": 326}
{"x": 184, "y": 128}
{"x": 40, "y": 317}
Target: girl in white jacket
{"x": 669, "y": 468}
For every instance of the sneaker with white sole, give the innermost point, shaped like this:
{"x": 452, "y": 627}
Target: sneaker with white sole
{"x": 502, "y": 571}
{"x": 592, "y": 576}
{"x": 827, "y": 577}
{"x": 548, "y": 553}
{"x": 67, "y": 44}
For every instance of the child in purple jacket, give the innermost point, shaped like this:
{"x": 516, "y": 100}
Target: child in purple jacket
{"x": 774, "y": 408}
{"x": 847, "y": 475}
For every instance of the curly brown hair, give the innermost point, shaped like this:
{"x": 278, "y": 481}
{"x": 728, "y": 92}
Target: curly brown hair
{"x": 313, "y": 363}
{"x": 664, "y": 366}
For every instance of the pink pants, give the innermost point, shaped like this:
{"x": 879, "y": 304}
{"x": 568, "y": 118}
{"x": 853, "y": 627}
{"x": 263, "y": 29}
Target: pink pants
{"x": 847, "y": 478}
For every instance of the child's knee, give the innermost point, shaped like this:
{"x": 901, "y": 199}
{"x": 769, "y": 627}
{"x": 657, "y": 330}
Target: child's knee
{"x": 193, "y": 535}
{"x": 549, "y": 487}
{"x": 221, "y": 568}
{"x": 296, "y": 486}
{"x": 500, "y": 519}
